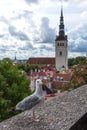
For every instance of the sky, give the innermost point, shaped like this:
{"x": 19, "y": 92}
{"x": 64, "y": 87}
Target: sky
{"x": 28, "y": 28}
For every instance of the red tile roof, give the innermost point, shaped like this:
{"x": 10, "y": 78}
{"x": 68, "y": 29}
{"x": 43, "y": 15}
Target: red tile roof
{"x": 41, "y": 61}
{"x": 42, "y": 74}
{"x": 66, "y": 77}
{"x": 57, "y": 84}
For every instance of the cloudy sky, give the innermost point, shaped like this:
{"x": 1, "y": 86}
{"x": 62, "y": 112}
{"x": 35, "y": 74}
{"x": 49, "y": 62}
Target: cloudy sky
{"x": 28, "y": 27}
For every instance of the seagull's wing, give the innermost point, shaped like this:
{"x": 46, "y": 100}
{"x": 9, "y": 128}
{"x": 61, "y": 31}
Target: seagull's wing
{"x": 28, "y": 103}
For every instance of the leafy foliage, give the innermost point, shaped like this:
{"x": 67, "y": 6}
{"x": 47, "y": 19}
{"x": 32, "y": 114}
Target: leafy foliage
{"x": 78, "y": 60}
{"x": 79, "y": 73}
{"x": 27, "y": 67}
{"x": 13, "y": 87}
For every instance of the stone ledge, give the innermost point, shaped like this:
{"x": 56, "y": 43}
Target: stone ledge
{"x": 60, "y": 113}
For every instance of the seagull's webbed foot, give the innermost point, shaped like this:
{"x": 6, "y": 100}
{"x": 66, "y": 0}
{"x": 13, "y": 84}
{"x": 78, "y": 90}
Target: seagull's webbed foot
{"x": 36, "y": 117}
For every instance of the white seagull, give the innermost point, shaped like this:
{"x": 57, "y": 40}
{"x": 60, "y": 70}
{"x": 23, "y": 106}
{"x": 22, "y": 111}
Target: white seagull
{"x": 32, "y": 100}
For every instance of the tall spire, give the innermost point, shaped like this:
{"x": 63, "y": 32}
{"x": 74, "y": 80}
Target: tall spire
{"x": 61, "y": 17}
{"x": 61, "y": 26}
{"x": 61, "y": 12}
{"x": 61, "y": 8}
{"x": 61, "y": 45}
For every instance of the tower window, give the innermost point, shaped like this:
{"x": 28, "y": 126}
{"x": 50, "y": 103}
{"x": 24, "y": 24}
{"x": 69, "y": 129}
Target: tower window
{"x": 61, "y": 44}
{"x": 60, "y": 53}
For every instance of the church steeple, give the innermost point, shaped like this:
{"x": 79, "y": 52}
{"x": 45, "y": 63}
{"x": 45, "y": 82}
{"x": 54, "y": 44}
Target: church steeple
{"x": 61, "y": 45}
{"x": 61, "y": 26}
{"x": 61, "y": 35}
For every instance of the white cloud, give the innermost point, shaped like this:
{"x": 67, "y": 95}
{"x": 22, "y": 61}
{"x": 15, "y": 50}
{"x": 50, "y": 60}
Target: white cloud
{"x": 29, "y": 27}
{"x": 83, "y": 3}
{"x": 84, "y": 14}
{"x": 32, "y": 1}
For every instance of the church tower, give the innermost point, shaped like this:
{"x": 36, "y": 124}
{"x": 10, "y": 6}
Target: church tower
{"x": 61, "y": 46}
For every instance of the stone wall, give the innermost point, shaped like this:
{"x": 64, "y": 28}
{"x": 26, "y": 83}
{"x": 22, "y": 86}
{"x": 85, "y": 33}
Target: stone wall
{"x": 59, "y": 113}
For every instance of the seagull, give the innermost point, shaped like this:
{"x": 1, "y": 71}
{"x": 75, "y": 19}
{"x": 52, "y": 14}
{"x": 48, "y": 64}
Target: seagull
{"x": 32, "y": 100}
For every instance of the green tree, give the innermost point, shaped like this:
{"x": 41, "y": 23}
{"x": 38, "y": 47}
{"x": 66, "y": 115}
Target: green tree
{"x": 78, "y": 60}
{"x": 27, "y": 67}
{"x": 14, "y": 86}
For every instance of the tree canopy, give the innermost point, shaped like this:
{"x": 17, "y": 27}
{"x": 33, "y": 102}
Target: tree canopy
{"x": 77, "y": 60}
{"x": 14, "y": 86}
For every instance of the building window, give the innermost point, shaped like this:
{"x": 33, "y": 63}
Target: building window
{"x": 60, "y": 53}
{"x": 61, "y": 44}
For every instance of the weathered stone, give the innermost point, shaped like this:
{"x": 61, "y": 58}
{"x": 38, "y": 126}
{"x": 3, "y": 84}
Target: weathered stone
{"x": 81, "y": 124}
{"x": 60, "y": 113}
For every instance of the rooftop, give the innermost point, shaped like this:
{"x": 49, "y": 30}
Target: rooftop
{"x": 41, "y": 60}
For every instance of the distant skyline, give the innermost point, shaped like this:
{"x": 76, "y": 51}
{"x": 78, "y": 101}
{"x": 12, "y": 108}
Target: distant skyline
{"x": 28, "y": 27}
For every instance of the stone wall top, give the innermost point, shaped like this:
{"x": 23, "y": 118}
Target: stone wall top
{"x": 60, "y": 113}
